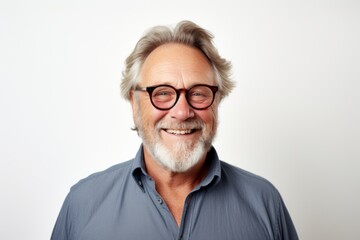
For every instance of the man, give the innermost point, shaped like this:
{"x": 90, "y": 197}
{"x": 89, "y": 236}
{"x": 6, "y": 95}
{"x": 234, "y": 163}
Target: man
{"x": 176, "y": 187}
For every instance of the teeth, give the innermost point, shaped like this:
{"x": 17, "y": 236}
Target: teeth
{"x": 178, "y": 132}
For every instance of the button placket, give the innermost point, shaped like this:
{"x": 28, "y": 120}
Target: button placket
{"x": 160, "y": 204}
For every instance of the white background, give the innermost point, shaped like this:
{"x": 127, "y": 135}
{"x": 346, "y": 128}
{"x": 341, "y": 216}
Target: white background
{"x": 293, "y": 117}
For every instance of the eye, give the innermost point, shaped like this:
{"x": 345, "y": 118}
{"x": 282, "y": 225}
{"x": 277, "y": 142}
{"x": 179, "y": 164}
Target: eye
{"x": 163, "y": 94}
{"x": 200, "y": 92}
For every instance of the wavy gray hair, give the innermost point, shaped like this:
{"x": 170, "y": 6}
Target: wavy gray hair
{"x": 187, "y": 33}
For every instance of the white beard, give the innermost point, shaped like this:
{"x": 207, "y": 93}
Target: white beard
{"x": 183, "y": 155}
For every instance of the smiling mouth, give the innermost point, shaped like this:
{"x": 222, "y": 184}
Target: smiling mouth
{"x": 180, "y": 131}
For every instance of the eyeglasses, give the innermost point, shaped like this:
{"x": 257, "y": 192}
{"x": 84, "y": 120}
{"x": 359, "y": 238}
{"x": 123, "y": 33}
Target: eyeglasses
{"x": 164, "y": 97}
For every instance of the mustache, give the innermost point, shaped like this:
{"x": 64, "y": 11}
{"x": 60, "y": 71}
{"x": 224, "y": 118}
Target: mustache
{"x": 187, "y": 124}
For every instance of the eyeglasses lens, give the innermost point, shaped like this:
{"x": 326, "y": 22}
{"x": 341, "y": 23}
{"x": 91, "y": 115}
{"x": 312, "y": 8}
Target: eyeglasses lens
{"x": 200, "y": 97}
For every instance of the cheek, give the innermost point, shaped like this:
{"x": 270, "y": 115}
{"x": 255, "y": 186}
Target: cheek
{"x": 150, "y": 115}
{"x": 209, "y": 117}
{"x": 213, "y": 112}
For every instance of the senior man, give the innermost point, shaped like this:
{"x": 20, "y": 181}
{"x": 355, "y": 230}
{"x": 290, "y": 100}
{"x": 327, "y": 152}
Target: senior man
{"x": 176, "y": 187}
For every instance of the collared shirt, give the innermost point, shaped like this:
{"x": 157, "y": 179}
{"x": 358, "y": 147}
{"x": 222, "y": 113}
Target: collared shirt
{"x": 122, "y": 203}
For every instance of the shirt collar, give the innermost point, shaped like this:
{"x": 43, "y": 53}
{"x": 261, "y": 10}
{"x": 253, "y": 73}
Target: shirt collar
{"x": 138, "y": 168}
{"x": 214, "y": 173}
{"x": 213, "y": 176}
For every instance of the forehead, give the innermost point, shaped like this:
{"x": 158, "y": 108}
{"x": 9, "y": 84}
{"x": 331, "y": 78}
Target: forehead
{"x": 177, "y": 65}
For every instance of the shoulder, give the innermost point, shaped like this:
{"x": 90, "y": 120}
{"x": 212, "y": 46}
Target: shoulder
{"x": 247, "y": 182}
{"x": 259, "y": 195}
{"x": 251, "y": 190}
{"x": 102, "y": 181}
{"x": 90, "y": 194}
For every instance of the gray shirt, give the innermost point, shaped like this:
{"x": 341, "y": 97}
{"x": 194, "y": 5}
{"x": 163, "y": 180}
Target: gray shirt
{"x": 122, "y": 203}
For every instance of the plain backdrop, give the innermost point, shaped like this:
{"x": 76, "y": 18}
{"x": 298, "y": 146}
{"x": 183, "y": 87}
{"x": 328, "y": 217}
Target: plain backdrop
{"x": 293, "y": 117}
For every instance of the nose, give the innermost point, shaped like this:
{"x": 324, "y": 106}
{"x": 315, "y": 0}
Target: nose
{"x": 182, "y": 110}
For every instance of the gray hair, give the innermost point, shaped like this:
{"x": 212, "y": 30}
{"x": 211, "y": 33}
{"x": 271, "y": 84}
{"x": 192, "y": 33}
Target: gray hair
{"x": 187, "y": 33}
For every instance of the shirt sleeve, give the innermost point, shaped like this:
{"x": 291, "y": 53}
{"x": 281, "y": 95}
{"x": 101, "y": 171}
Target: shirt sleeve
{"x": 286, "y": 227}
{"x": 61, "y": 228}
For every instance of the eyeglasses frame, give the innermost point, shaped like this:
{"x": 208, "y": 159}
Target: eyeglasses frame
{"x": 178, "y": 91}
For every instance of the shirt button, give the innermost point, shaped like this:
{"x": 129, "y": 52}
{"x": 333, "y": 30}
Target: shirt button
{"x": 140, "y": 183}
{"x": 160, "y": 201}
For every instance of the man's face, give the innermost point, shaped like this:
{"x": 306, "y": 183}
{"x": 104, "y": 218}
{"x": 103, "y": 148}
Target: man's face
{"x": 180, "y": 137}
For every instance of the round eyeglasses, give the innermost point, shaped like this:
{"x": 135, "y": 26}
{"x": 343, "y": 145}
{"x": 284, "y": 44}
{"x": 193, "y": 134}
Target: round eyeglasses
{"x": 164, "y": 97}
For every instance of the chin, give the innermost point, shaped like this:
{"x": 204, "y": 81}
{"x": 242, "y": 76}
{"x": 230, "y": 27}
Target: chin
{"x": 180, "y": 157}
